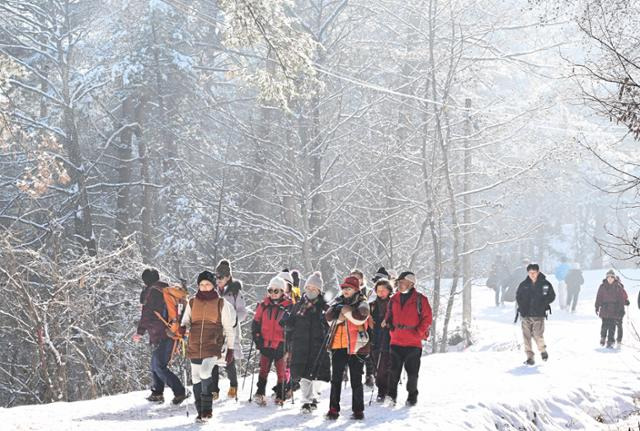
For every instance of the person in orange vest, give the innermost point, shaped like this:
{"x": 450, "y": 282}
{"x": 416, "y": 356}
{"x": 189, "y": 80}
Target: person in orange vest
{"x": 408, "y": 318}
{"x": 348, "y": 317}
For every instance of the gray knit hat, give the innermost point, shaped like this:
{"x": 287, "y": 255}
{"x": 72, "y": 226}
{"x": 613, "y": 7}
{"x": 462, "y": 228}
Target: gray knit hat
{"x": 315, "y": 280}
{"x": 611, "y": 272}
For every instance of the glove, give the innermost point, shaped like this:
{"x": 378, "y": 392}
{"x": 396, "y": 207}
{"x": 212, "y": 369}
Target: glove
{"x": 229, "y": 357}
{"x": 257, "y": 338}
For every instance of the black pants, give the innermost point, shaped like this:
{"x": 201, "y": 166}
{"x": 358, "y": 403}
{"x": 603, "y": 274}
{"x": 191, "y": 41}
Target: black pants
{"x": 409, "y": 358}
{"x": 160, "y": 372}
{"x": 339, "y": 361}
{"x": 232, "y": 374}
{"x": 382, "y": 360}
{"x": 572, "y": 297}
{"x": 619, "y": 328}
{"x": 608, "y": 330}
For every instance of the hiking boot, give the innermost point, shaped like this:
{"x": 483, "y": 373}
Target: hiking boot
{"x": 155, "y": 398}
{"x": 369, "y": 381}
{"x": 358, "y": 416}
{"x": 412, "y": 401}
{"x": 610, "y": 345}
{"x": 529, "y": 361}
{"x": 602, "y": 342}
{"x": 313, "y": 404}
{"x": 390, "y": 401}
{"x": 260, "y": 400}
{"x": 279, "y": 402}
{"x": 306, "y": 408}
{"x": 206, "y": 414}
{"x": 380, "y": 399}
{"x": 215, "y": 395}
{"x": 333, "y": 414}
{"x": 544, "y": 356}
{"x": 233, "y": 392}
{"x": 178, "y": 399}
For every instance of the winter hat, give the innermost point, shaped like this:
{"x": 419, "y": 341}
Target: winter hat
{"x": 223, "y": 269}
{"x": 611, "y": 272}
{"x": 276, "y": 283}
{"x": 407, "y": 275}
{"x": 286, "y": 276}
{"x": 295, "y": 275}
{"x": 381, "y": 273}
{"x": 393, "y": 274}
{"x": 207, "y": 275}
{"x": 150, "y": 276}
{"x": 315, "y": 280}
{"x": 351, "y": 282}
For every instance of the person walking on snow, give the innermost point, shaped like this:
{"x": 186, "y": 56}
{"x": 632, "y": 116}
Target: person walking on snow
{"x": 230, "y": 290}
{"x": 381, "y": 338}
{"x": 348, "y": 317}
{"x": 269, "y": 337}
{"x": 153, "y": 305}
{"x": 610, "y": 302}
{"x": 408, "y": 318}
{"x": 308, "y": 331}
{"x": 561, "y": 274}
{"x": 534, "y": 296}
{"x": 574, "y": 281}
{"x": 209, "y": 321}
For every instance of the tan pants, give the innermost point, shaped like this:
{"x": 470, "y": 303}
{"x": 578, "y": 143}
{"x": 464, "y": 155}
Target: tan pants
{"x": 533, "y": 327}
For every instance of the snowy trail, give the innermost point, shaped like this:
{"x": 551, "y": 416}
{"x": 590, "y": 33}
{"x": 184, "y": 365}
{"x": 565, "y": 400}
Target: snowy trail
{"x": 484, "y": 387}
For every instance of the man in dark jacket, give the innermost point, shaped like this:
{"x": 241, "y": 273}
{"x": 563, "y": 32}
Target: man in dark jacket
{"x": 408, "y": 318}
{"x": 152, "y": 302}
{"x": 533, "y": 296}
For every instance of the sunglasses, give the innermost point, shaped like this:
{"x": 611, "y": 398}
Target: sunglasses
{"x": 274, "y": 291}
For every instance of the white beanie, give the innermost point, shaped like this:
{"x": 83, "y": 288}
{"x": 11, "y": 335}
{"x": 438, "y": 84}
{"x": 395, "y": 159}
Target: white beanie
{"x": 286, "y": 276}
{"x": 315, "y": 280}
{"x": 277, "y": 283}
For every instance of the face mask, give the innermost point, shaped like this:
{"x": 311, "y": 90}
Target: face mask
{"x": 312, "y": 294}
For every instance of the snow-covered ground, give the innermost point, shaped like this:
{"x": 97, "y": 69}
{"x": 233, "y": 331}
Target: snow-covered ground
{"x": 484, "y": 387}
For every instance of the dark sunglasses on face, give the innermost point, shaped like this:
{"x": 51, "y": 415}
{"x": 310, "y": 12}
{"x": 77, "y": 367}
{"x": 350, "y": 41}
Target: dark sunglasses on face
{"x": 274, "y": 290}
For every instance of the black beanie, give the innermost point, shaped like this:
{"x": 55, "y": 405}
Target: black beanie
{"x": 207, "y": 275}
{"x": 150, "y": 276}
{"x": 223, "y": 269}
{"x": 381, "y": 273}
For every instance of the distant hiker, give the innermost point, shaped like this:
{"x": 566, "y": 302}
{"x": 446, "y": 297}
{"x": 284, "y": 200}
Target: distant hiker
{"x": 381, "y": 339}
{"x": 269, "y": 337}
{"x": 153, "y": 308}
{"x": 308, "y": 331}
{"x": 610, "y": 302}
{"x": 209, "y": 320}
{"x": 534, "y": 296}
{"x": 513, "y": 280}
{"x": 348, "y": 318}
{"x": 230, "y": 289}
{"x": 289, "y": 285}
{"x": 574, "y": 281}
{"x": 408, "y": 318}
{"x": 498, "y": 279}
{"x": 561, "y": 274}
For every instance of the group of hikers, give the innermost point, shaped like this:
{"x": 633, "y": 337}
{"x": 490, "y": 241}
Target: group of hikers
{"x": 374, "y": 332}
{"x": 377, "y": 333}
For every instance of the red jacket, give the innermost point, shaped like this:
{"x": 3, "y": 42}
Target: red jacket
{"x": 408, "y": 327}
{"x": 611, "y": 300}
{"x": 266, "y": 321}
{"x": 149, "y": 322}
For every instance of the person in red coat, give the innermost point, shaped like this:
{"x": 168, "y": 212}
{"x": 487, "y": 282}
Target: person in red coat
{"x": 408, "y": 318}
{"x": 610, "y": 303}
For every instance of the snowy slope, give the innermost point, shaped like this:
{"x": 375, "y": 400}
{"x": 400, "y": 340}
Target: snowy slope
{"x": 484, "y": 387}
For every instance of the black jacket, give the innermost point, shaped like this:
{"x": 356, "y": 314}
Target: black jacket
{"x": 307, "y": 329}
{"x": 574, "y": 279}
{"x": 534, "y": 299}
{"x": 381, "y": 338}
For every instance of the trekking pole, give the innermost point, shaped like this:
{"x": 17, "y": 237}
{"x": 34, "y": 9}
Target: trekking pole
{"x": 186, "y": 382}
{"x": 375, "y": 375}
{"x": 284, "y": 359}
{"x": 253, "y": 369}
{"x": 246, "y": 367}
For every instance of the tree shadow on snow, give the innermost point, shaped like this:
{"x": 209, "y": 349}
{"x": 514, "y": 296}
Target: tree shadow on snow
{"x": 137, "y": 413}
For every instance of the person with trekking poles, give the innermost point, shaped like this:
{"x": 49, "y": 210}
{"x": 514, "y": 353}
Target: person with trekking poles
{"x": 308, "y": 330}
{"x": 408, "y": 318}
{"x": 230, "y": 290}
{"x": 154, "y": 320}
{"x": 209, "y": 322}
{"x": 268, "y": 334}
{"x": 381, "y": 339}
{"x": 348, "y": 316}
